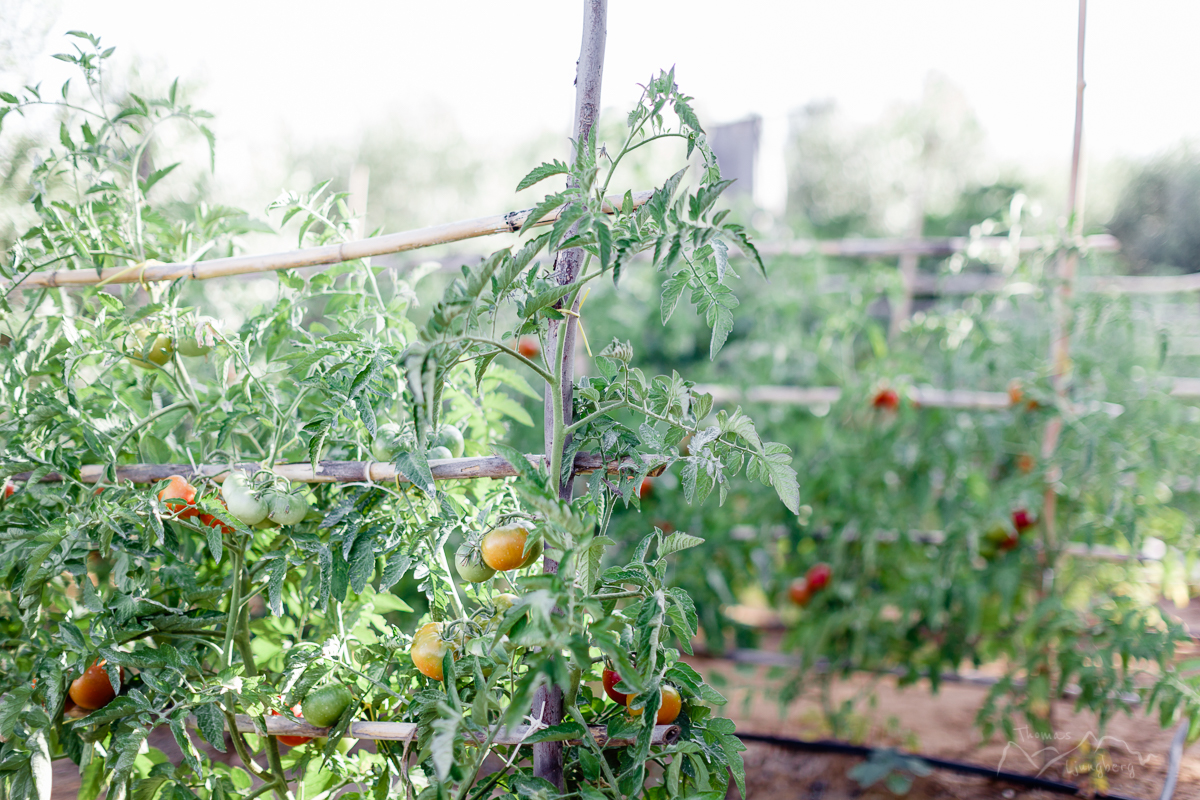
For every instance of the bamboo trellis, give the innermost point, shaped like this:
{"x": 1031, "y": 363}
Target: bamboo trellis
{"x": 407, "y": 731}
{"x": 312, "y": 256}
{"x": 443, "y": 469}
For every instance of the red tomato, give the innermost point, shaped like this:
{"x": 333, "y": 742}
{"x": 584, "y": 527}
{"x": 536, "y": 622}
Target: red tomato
{"x": 1011, "y": 540}
{"x": 529, "y": 347}
{"x": 9, "y": 488}
{"x": 292, "y": 741}
{"x": 646, "y": 489}
{"x": 818, "y": 576}
{"x": 799, "y": 593}
{"x": 887, "y": 399}
{"x": 1023, "y": 520}
{"x": 179, "y": 496}
{"x": 93, "y": 689}
{"x": 610, "y": 679}
{"x": 1026, "y": 463}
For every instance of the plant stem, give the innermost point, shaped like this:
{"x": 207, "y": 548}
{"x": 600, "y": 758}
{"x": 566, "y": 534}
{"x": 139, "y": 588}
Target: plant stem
{"x": 543, "y": 373}
{"x": 144, "y": 422}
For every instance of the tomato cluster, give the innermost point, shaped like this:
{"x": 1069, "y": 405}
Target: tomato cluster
{"x": 816, "y": 579}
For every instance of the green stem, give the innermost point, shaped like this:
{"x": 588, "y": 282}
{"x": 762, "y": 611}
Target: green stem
{"x": 144, "y": 422}
{"x": 599, "y": 412}
{"x": 595, "y": 746}
{"x": 626, "y": 150}
{"x": 544, "y": 374}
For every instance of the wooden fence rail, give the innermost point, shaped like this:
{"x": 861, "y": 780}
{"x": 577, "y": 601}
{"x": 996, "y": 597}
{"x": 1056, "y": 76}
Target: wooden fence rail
{"x": 443, "y": 469}
{"x": 407, "y": 731}
{"x": 329, "y": 254}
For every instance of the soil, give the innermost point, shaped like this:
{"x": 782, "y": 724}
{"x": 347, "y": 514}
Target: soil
{"x": 941, "y": 725}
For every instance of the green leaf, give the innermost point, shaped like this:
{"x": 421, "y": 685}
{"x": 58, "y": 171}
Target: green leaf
{"x": 677, "y": 541}
{"x": 722, "y": 323}
{"x": 672, "y": 290}
{"x": 414, "y": 467}
{"x": 210, "y": 722}
{"x": 541, "y": 172}
{"x": 550, "y": 203}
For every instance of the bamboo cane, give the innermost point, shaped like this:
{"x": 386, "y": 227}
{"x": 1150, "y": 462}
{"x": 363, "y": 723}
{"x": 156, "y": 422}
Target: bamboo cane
{"x": 932, "y": 247}
{"x": 406, "y": 731}
{"x": 313, "y": 256}
{"x": 443, "y": 469}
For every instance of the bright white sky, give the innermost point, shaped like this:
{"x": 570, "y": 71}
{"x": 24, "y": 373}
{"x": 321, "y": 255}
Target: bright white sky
{"x": 323, "y": 70}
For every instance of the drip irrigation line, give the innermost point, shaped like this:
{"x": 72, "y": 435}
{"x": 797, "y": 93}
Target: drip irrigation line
{"x": 1030, "y": 781}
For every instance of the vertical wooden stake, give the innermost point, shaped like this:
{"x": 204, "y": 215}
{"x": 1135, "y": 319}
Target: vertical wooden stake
{"x": 589, "y": 74}
{"x": 1060, "y": 358}
{"x": 1066, "y": 264}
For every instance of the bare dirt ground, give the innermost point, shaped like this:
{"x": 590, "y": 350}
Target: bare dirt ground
{"x": 940, "y": 725}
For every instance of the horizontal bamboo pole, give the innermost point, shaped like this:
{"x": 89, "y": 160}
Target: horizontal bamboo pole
{"x": 927, "y": 396}
{"x": 892, "y": 248}
{"x": 406, "y": 731}
{"x": 443, "y": 469}
{"x": 329, "y": 254}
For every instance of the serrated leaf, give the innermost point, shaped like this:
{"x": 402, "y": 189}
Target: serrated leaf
{"x": 414, "y": 467}
{"x": 541, "y": 172}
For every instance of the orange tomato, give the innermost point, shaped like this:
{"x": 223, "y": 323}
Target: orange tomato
{"x": 428, "y": 650}
{"x": 504, "y": 548}
{"x": 179, "y": 496}
{"x": 799, "y": 593}
{"x": 1026, "y": 463}
{"x": 646, "y": 489}
{"x": 1015, "y": 392}
{"x": 93, "y": 689}
{"x": 529, "y": 347}
{"x": 669, "y": 705}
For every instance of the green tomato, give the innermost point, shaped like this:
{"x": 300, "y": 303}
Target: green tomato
{"x": 439, "y": 452}
{"x": 324, "y": 707}
{"x": 386, "y": 444}
{"x": 195, "y": 337}
{"x": 288, "y": 508}
{"x": 451, "y": 438}
{"x": 241, "y": 500}
{"x": 469, "y": 564}
{"x": 503, "y": 602}
{"x": 149, "y": 354}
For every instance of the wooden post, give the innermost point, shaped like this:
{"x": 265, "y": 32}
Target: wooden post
{"x": 589, "y": 74}
{"x": 1066, "y": 263}
{"x": 1060, "y": 359}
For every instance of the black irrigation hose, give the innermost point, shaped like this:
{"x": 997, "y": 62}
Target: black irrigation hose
{"x": 847, "y": 749}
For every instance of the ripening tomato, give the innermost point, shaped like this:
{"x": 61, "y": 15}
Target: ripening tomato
{"x": 1011, "y": 540}
{"x": 293, "y": 741}
{"x": 93, "y": 689}
{"x": 1015, "y": 392}
{"x": 179, "y": 496}
{"x": 325, "y": 706}
{"x": 610, "y": 679}
{"x": 1023, "y": 520}
{"x": 428, "y": 650}
{"x": 149, "y": 354}
{"x": 799, "y": 593}
{"x": 504, "y": 548}
{"x": 646, "y": 489}
{"x": 529, "y": 347}
{"x": 818, "y": 576}
{"x": 886, "y": 399}
{"x": 668, "y": 707}
{"x": 10, "y": 488}
{"x": 1026, "y": 463}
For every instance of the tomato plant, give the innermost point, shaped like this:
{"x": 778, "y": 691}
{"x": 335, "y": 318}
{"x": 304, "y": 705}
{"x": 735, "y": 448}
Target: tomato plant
{"x": 340, "y": 595}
